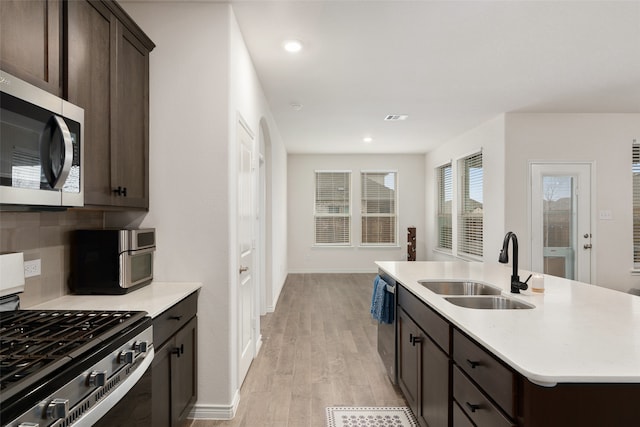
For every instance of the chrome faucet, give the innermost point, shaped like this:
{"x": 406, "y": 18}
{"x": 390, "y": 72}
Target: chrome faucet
{"x": 516, "y": 284}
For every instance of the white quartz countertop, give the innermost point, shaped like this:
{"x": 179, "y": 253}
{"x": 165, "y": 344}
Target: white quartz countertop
{"x": 576, "y": 332}
{"x": 154, "y": 298}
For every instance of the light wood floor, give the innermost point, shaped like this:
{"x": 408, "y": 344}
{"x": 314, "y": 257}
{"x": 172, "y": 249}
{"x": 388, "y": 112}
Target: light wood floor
{"x": 319, "y": 350}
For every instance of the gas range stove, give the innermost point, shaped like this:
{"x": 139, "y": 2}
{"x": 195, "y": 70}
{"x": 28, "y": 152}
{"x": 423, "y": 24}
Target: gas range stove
{"x": 62, "y": 368}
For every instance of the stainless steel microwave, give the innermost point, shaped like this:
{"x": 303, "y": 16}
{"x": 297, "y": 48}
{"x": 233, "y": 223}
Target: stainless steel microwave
{"x": 112, "y": 261}
{"x": 41, "y": 147}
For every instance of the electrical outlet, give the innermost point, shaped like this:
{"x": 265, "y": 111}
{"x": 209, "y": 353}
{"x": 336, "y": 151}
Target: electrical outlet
{"x": 32, "y": 268}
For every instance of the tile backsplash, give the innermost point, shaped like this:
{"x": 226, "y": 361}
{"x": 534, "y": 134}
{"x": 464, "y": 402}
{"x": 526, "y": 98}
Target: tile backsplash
{"x": 45, "y": 236}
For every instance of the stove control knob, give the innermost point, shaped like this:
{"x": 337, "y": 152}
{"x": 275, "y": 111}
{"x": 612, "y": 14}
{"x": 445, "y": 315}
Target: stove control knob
{"x": 58, "y": 409}
{"x": 141, "y": 346}
{"x": 97, "y": 378}
{"x": 127, "y": 356}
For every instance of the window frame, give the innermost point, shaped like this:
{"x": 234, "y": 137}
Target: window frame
{"x": 393, "y": 215}
{"x": 317, "y": 215}
{"x": 441, "y": 193}
{"x": 465, "y": 214}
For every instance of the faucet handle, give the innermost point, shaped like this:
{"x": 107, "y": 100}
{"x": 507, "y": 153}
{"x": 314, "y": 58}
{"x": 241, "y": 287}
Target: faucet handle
{"x": 517, "y": 285}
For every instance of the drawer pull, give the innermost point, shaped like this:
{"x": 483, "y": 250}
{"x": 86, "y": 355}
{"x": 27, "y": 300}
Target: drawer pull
{"x": 414, "y": 340}
{"x": 175, "y": 318}
{"x": 473, "y": 407}
{"x": 473, "y": 363}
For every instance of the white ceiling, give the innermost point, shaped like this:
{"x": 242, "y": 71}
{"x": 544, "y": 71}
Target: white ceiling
{"x": 449, "y": 65}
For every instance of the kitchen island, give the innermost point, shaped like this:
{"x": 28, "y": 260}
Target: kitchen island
{"x": 575, "y": 354}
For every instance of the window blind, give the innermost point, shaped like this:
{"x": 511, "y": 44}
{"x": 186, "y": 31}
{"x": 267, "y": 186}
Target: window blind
{"x": 332, "y": 211}
{"x": 445, "y": 198}
{"x": 470, "y": 212}
{"x": 378, "y": 208}
{"x": 635, "y": 169}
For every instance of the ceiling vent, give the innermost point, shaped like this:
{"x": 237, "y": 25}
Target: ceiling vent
{"x": 395, "y": 117}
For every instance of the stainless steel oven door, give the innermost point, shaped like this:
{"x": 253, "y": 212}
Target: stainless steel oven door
{"x": 136, "y": 267}
{"x": 133, "y": 407}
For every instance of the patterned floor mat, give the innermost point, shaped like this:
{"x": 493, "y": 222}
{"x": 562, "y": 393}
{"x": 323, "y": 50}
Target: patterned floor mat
{"x": 346, "y": 416}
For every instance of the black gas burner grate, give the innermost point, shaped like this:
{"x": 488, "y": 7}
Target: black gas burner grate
{"x": 36, "y": 343}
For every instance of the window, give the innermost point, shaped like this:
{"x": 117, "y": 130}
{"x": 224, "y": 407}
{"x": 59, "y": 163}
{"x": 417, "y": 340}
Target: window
{"x": 635, "y": 168}
{"x": 470, "y": 216}
{"x": 445, "y": 197}
{"x": 378, "y": 208}
{"x": 332, "y": 212}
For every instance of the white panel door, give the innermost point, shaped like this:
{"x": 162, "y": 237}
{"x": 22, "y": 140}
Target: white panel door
{"x": 246, "y": 330}
{"x": 561, "y": 235}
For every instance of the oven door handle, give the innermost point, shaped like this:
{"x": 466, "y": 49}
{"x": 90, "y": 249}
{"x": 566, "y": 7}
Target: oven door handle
{"x": 92, "y": 416}
{"x": 56, "y": 165}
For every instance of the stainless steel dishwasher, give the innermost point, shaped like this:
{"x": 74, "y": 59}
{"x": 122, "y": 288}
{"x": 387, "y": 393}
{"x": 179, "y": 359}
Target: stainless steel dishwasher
{"x": 387, "y": 335}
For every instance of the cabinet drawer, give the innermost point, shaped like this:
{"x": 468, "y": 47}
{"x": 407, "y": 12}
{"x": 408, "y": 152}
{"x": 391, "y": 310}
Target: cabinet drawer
{"x": 170, "y": 321}
{"x": 489, "y": 373}
{"x": 434, "y": 325}
{"x": 459, "y": 417}
{"x": 475, "y": 404}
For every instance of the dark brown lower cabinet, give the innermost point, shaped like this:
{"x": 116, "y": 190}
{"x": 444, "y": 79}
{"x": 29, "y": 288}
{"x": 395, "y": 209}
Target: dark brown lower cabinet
{"x": 408, "y": 360}
{"x": 452, "y": 380}
{"x": 423, "y": 373}
{"x": 174, "y": 368}
{"x": 584, "y": 405}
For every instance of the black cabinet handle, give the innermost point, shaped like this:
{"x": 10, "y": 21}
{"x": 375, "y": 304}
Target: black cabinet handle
{"x": 472, "y": 407}
{"x": 175, "y": 318}
{"x": 414, "y": 340}
{"x": 181, "y": 348}
{"x": 473, "y": 363}
{"x": 176, "y": 351}
{"x": 120, "y": 191}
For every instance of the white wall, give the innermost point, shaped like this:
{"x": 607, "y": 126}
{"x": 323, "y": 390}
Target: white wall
{"x": 605, "y": 140}
{"x": 201, "y": 78}
{"x": 305, "y": 258}
{"x": 247, "y": 100}
{"x": 490, "y": 138}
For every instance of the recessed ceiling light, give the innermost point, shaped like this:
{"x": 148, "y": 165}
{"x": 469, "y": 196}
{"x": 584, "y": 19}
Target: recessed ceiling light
{"x": 367, "y": 139}
{"x": 292, "y": 46}
{"x": 396, "y": 117}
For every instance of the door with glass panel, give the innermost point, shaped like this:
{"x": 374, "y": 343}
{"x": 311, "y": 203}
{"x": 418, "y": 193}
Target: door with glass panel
{"x": 561, "y": 235}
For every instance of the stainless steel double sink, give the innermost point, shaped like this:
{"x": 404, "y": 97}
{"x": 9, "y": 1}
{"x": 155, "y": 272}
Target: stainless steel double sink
{"x": 470, "y": 294}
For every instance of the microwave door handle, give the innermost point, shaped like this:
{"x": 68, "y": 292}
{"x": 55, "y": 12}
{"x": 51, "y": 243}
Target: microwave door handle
{"x": 60, "y": 178}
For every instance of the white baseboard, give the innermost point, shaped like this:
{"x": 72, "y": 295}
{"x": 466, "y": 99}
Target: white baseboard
{"x": 216, "y": 412}
{"x": 258, "y": 345}
{"x": 333, "y": 271}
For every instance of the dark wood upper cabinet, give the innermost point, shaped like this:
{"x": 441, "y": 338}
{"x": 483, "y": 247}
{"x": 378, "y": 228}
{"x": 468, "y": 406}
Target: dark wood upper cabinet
{"x": 131, "y": 121}
{"x": 107, "y": 65}
{"x": 31, "y": 41}
{"x": 90, "y": 34}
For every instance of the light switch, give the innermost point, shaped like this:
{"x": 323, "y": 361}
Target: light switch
{"x": 606, "y": 215}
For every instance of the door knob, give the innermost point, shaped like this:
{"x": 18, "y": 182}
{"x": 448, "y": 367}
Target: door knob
{"x": 243, "y": 269}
